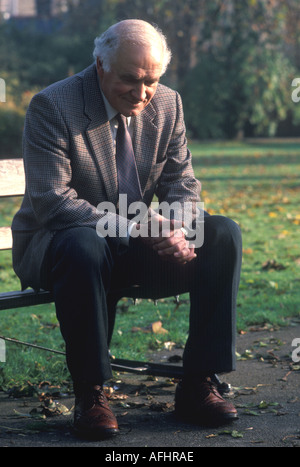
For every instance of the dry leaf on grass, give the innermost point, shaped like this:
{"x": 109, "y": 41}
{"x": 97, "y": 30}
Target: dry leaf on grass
{"x": 158, "y": 329}
{"x": 155, "y": 327}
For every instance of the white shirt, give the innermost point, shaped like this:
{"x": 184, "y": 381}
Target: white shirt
{"x": 111, "y": 114}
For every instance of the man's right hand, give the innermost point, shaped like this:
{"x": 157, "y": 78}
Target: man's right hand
{"x": 167, "y": 238}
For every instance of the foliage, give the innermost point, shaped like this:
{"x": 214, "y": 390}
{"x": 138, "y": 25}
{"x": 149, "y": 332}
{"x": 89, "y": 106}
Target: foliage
{"x": 11, "y": 127}
{"x": 233, "y": 61}
{"x": 12, "y": 115}
{"x": 205, "y": 100}
{"x": 243, "y": 75}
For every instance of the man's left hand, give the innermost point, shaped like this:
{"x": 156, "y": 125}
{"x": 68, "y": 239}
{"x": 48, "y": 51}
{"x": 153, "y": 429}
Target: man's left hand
{"x": 170, "y": 244}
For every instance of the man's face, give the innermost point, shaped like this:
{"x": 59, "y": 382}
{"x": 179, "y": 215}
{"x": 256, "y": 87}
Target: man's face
{"x": 132, "y": 81}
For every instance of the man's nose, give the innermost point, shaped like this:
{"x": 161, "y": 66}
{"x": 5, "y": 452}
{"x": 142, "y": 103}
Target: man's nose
{"x": 139, "y": 92}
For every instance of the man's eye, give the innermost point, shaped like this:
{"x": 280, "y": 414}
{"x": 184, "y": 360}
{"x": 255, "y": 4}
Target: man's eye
{"x": 134, "y": 81}
{"x": 127, "y": 79}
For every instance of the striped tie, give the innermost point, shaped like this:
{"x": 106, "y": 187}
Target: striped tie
{"x": 126, "y": 166}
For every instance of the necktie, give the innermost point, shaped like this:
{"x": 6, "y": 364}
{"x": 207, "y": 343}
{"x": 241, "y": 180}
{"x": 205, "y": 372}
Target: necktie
{"x": 126, "y": 166}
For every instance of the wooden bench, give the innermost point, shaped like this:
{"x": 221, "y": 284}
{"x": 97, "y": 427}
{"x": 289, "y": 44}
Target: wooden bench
{"x": 12, "y": 184}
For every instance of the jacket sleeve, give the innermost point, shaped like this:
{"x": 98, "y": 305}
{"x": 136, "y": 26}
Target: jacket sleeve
{"x": 48, "y": 170}
{"x": 177, "y": 183}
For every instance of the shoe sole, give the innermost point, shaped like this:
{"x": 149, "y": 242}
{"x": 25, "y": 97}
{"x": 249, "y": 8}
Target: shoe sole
{"x": 95, "y": 435}
{"x": 206, "y": 419}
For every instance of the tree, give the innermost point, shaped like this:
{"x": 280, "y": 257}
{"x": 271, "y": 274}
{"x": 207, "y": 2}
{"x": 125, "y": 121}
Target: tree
{"x": 241, "y": 42}
{"x": 233, "y": 60}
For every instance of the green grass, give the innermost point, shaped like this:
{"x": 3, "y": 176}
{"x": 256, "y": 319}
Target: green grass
{"x": 255, "y": 183}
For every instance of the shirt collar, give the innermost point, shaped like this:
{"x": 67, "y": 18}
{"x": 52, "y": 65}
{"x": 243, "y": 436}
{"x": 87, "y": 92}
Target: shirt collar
{"x": 111, "y": 112}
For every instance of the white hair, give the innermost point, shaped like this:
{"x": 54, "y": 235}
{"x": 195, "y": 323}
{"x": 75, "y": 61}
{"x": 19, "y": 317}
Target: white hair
{"x": 135, "y": 32}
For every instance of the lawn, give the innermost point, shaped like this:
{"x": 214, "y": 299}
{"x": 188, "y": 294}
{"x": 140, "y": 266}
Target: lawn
{"x": 256, "y": 183}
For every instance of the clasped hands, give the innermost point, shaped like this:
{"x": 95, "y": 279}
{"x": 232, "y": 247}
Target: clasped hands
{"x": 168, "y": 239}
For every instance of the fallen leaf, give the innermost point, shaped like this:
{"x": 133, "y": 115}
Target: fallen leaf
{"x": 247, "y": 355}
{"x": 251, "y": 412}
{"x": 284, "y": 378}
{"x": 247, "y": 251}
{"x": 158, "y": 329}
{"x": 161, "y": 406}
{"x": 34, "y": 413}
{"x": 169, "y": 345}
{"x": 115, "y": 397}
{"x": 52, "y": 408}
{"x": 233, "y": 433}
{"x": 272, "y": 264}
{"x": 237, "y": 434}
{"x": 155, "y": 327}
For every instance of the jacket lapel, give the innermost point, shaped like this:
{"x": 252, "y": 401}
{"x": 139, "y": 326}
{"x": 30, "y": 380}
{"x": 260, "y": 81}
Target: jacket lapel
{"x": 99, "y": 134}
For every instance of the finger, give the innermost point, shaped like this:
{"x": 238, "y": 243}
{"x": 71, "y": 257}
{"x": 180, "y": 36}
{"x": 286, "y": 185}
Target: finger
{"x": 179, "y": 260}
{"x": 169, "y": 238}
{"x": 186, "y": 256}
{"x": 179, "y": 253}
{"x": 170, "y": 246}
{"x": 185, "y": 259}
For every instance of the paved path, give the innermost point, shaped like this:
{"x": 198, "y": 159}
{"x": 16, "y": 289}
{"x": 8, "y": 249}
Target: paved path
{"x": 265, "y": 389}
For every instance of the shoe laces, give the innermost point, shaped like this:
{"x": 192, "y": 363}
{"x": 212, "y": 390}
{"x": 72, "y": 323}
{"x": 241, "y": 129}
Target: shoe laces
{"x": 210, "y": 386}
{"x": 91, "y": 397}
{"x": 99, "y": 396}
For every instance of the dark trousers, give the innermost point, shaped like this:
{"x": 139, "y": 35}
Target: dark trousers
{"x": 87, "y": 270}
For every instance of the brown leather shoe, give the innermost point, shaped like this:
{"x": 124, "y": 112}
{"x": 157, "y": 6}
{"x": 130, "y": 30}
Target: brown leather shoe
{"x": 199, "y": 401}
{"x": 93, "y": 418}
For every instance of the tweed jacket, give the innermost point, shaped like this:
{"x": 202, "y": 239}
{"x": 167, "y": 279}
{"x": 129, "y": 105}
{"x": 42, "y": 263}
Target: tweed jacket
{"x": 70, "y": 164}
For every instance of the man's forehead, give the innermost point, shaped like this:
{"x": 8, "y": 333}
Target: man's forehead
{"x": 137, "y": 61}
{"x": 139, "y": 75}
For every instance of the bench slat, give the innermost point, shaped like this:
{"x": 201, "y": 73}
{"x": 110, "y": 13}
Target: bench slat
{"x": 5, "y": 238}
{"x": 12, "y": 178}
{"x": 12, "y": 183}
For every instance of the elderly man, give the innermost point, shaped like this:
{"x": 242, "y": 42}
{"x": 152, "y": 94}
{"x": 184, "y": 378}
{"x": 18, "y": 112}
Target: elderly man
{"x": 110, "y": 131}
